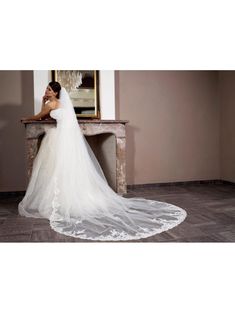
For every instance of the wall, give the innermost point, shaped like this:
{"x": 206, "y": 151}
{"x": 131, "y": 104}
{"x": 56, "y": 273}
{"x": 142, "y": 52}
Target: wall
{"x": 16, "y": 99}
{"x": 227, "y": 96}
{"x": 174, "y": 129}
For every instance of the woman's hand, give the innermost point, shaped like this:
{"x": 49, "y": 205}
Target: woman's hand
{"x": 44, "y": 99}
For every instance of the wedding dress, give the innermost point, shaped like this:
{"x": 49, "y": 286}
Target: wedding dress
{"x": 68, "y": 187}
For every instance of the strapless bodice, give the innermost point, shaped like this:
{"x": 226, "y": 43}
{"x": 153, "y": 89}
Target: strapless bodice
{"x": 57, "y": 113}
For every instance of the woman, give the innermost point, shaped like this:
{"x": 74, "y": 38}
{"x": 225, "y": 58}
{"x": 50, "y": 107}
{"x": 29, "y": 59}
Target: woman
{"x": 49, "y": 102}
{"x": 68, "y": 187}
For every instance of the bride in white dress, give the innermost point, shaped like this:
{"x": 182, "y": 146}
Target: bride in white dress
{"x": 68, "y": 187}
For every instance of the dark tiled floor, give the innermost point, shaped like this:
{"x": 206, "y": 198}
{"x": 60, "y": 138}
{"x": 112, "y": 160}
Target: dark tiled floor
{"x": 210, "y": 208}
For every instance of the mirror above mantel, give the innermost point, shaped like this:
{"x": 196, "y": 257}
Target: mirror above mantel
{"x": 83, "y": 89}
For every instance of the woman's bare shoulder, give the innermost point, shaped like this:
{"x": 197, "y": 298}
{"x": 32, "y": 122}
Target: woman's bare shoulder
{"x": 53, "y": 104}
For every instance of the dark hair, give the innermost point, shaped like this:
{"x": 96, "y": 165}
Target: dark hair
{"x": 55, "y": 86}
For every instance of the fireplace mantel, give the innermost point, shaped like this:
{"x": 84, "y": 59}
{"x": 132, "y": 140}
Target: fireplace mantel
{"x": 36, "y": 129}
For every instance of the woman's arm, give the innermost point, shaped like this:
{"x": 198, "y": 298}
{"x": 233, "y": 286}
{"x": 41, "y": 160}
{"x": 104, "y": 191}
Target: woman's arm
{"x": 44, "y": 100}
{"x": 44, "y": 112}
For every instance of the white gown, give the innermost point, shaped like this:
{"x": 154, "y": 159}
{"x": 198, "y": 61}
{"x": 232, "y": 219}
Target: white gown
{"x": 68, "y": 187}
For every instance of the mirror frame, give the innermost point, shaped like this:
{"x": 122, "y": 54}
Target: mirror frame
{"x": 96, "y": 115}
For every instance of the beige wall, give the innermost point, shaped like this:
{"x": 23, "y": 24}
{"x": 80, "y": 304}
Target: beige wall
{"x": 16, "y": 101}
{"x": 174, "y": 129}
{"x": 176, "y": 120}
{"x": 227, "y": 100}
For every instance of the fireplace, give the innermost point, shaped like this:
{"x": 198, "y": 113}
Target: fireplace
{"x": 107, "y": 138}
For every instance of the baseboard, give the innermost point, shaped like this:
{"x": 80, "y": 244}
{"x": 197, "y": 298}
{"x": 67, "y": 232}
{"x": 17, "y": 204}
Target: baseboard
{"x": 15, "y": 194}
{"x": 11, "y": 194}
{"x": 184, "y": 183}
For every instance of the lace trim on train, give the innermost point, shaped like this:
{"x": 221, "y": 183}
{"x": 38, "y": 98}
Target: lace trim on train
{"x": 113, "y": 234}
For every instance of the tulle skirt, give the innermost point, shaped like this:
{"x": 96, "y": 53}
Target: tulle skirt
{"x": 68, "y": 187}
